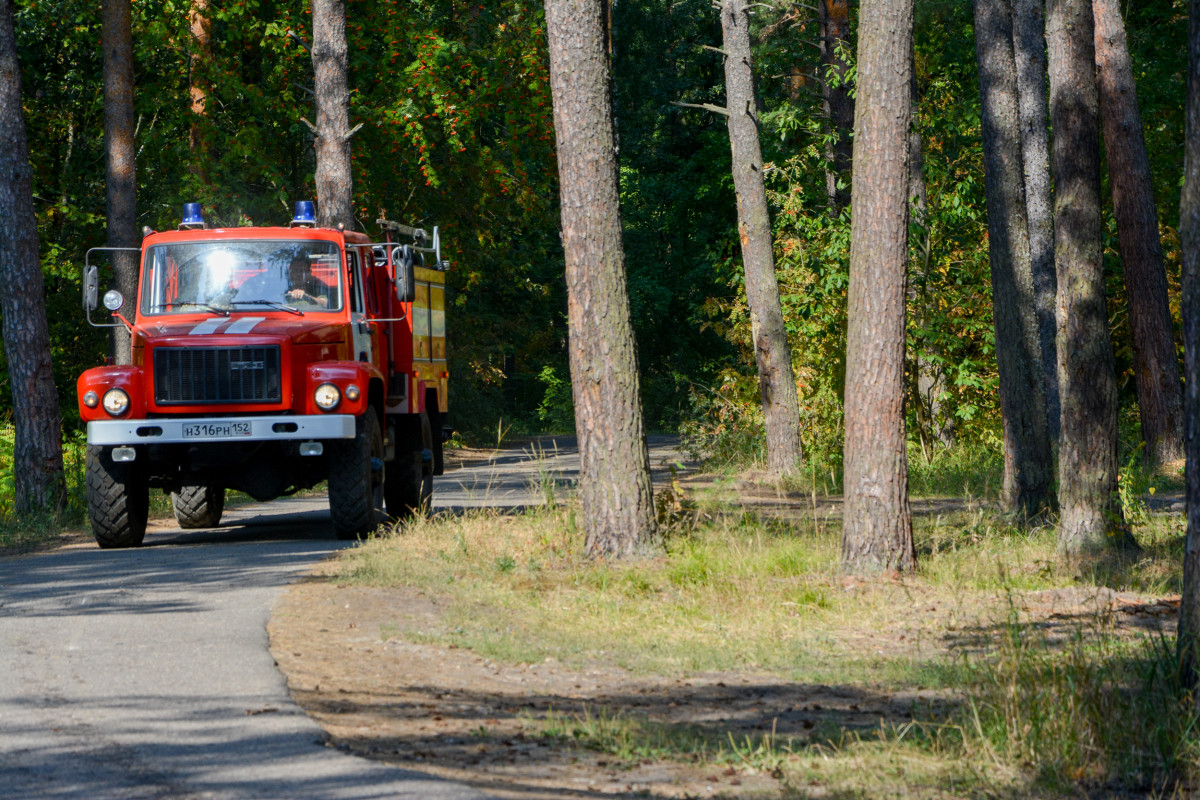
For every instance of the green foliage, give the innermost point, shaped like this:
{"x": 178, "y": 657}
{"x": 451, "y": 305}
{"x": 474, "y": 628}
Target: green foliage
{"x": 557, "y": 409}
{"x": 27, "y": 531}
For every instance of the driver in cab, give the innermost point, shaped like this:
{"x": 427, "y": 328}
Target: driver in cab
{"x": 303, "y": 286}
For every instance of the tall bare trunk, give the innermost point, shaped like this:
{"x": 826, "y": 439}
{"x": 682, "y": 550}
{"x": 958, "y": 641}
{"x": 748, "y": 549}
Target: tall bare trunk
{"x": 37, "y": 457}
{"x": 1028, "y": 463}
{"x": 201, "y": 54}
{"x": 1156, "y": 366}
{"x": 120, "y": 156}
{"x": 1087, "y": 456}
{"x": 335, "y": 200}
{"x": 837, "y": 100}
{"x": 877, "y": 532}
{"x": 1029, "y": 53}
{"x": 776, "y": 381}
{"x": 1189, "y": 235}
{"x": 614, "y": 484}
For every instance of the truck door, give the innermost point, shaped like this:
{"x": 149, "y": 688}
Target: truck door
{"x": 360, "y": 329}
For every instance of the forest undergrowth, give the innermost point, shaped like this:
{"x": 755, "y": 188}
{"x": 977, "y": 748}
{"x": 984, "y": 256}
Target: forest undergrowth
{"x": 1018, "y": 674}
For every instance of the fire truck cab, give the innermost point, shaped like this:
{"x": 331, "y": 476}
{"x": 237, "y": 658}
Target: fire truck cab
{"x": 267, "y": 360}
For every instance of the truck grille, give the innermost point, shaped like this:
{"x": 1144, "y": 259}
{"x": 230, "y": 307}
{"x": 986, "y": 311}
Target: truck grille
{"x": 194, "y": 375}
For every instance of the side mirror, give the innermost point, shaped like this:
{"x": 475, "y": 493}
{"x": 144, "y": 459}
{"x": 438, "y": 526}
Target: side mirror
{"x": 403, "y": 258}
{"x": 439, "y": 264}
{"x": 113, "y": 300}
{"x": 91, "y": 288}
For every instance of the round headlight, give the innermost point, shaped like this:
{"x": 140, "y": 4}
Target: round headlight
{"x": 327, "y": 397}
{"x": 91, "y": 399}
{"x": 352, "y": 392}
{"x": 116, "y": 402}
{"x": 113, "y": 300}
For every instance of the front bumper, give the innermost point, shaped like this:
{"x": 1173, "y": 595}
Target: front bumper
{"x": 220, "y": 429}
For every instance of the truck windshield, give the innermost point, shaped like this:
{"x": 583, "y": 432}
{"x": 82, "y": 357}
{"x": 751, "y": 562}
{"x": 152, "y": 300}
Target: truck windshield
{"x": 234, "y": 275}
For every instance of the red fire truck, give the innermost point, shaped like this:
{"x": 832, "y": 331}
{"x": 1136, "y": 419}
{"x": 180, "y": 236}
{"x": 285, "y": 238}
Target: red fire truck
{"x": 267, "y": 360}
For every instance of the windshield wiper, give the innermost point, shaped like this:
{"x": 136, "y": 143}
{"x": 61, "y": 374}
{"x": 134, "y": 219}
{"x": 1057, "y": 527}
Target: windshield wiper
{"x": 271, "y": 303}
{"x": 214, "y": 309}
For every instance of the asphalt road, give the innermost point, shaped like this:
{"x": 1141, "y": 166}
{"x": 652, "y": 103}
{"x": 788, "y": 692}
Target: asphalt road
{"x": 145, "y": 673}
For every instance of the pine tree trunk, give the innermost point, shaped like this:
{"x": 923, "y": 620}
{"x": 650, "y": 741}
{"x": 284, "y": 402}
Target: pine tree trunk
{"x": 1189, "y": 241}
{"x": 1087, "y": 456}
{"x": 1028, "y": 461}
{"x": 120, "y": 157}
{"x": 201, "y": 53}
{"x": 877, "y": 531}
{"x": 335, "y": 203}
{"x": 37, "y": 457}
{"x": 1029, "y": 53}
{"x": 1156, "y": 366}
{"x": 776, "y": 381}
{"x": 837, "y": 101}
{"x": 614, "y": 483}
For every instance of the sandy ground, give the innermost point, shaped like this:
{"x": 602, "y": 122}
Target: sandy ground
{"x": 451, "y": 713}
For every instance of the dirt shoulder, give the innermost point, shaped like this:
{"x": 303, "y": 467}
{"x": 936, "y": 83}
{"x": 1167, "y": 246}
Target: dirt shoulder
{"x": 451, "y": 713}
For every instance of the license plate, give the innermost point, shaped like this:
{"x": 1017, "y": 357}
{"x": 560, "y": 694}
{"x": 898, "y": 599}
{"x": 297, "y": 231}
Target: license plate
{"x": 214, "y": 430}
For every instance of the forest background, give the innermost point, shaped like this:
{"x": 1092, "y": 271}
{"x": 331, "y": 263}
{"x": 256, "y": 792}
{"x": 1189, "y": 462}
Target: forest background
{"x": 458, "y": 131}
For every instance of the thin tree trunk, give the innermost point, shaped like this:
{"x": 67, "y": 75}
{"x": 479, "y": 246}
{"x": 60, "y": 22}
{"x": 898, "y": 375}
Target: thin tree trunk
{"x": 1029, "y": 54}
{"x": 120, "y": 156}
{"x": 618, "y": 504}
{"x": 837, "y": 101}
{"x": 201, "y": 53}
{"x": 776, "y": 381}
{"x": 37, "y": 456}
{"x": 1156, "y": 366}
{"x": 335, "y": 202}
{"x": 1028, "y": 462}
{"x": 1189, "y": 236}
{"x": 1087, "y": 456}
{"x": 877, "y": 532}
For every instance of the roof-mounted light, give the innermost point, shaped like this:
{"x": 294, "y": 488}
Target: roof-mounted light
{"x": 193, "y": 216}
{"x": 305, "y": 214}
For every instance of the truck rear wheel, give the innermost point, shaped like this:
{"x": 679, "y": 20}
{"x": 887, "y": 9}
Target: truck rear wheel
{"x": 409, "y": 484}
{"x": 356, "y": 479}
{"x": 118, "y": 499}
{"x": 198, "y": 506}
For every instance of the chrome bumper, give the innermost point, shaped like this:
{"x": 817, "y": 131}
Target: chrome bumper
{"x": 220, "y": 429}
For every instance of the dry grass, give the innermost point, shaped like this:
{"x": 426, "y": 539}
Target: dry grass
{"x": 738, "y": 591}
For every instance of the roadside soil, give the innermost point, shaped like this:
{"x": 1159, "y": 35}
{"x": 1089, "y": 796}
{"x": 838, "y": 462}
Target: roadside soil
{"x": 453, "y": 714}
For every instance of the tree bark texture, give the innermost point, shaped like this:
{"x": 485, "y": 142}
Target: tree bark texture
{"x": 617, "y": 499}
{"x": 1189, "y": 235}
{"x": 1029, "y": 54}
{"x": 838, "y": 101}
{"x": 1156, "y": 366}
{"x": 877, "y": 531}
{"x": 37, "y": 456}
{"x": 1028, "y": 456}
{"x": 335, "y": 189}
{"x": 120, "y": 154}
{"x": 201, "y": 53}
{"x": 1087, "y": 456}
{"x": 776, "y": 380}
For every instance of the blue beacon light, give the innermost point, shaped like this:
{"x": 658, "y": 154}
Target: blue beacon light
{"x": 305, "y": 214}
{"x": 193, "y": 216}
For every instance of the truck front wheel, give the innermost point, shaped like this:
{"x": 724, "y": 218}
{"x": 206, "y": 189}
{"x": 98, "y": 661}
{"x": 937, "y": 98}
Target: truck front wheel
{"x": 356, "y": 479}
{"x": 198, "y": 506}
{"x": 118, "y": 499}
{"x": 409, "y": 485}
